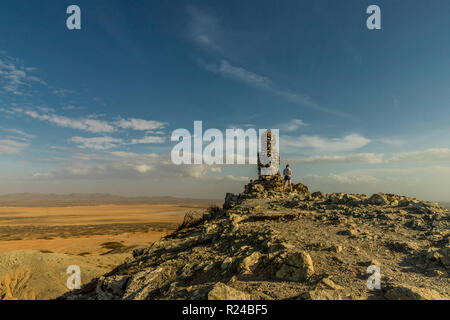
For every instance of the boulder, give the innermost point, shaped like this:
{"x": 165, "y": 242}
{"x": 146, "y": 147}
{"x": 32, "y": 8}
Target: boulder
{"x": 300, "y": 188}
{"x": 227, "y": 263}
{"x": 378, "y": 200}
{"x": 221, "y": 291}
{"x": 250, "y": 262}
{"x": 297, "y": 267}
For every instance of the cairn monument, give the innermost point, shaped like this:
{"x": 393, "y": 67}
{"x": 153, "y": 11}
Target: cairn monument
{"x": 270, "y": 152}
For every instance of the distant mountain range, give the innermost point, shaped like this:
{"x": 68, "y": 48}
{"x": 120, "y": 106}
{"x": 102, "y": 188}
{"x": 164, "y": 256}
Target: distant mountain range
{"x": 86, "y": 199}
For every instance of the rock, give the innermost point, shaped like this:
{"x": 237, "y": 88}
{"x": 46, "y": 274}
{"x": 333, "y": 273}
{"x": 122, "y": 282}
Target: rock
{"x": 327, "y": 282}
{"x": 230, "y": 200}
{"x": 433, "y": 254}
{"x": 221, "y": 291}
{"x": 258, "y": 188}
{"x": 274, "y": 246}
{"x": 227, "y": 263}
{"x": 412, "y": 293}
{"x": 236, "y": 218}
{"x": 444, "y": 258}
{"x": 394, "y": 203}
{"x": 322, "y": 294}
{"x": 300, "y": 189}
{"x": 250, "y": 262}
{"x": 378, "y": 200}
{"x": 111, "y": 287}
{"x": 349, "y": 232}
{"x": 317, "y": 195}
{"x": 297, "y": 267}
{"x": 144, "y": 284}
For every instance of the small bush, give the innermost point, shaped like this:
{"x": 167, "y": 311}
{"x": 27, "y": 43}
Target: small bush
{"x": 191, "y": 219}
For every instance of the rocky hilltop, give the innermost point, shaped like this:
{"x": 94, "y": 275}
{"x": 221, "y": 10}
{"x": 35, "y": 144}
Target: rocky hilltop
{"x": 266, "y": 243}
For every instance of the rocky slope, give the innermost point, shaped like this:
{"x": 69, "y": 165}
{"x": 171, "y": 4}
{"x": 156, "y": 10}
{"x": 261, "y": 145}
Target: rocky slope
{"x": 269, "y": 244}
{"x": 35, "y": 274}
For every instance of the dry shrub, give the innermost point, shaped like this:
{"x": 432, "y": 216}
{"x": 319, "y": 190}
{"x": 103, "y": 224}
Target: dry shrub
{"x": 191, "y": 219}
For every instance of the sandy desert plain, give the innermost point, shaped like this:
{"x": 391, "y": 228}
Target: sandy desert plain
{"x": 39, "y": 241}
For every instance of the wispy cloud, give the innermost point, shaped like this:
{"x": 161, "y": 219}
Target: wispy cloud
{"x": 437, "y": 154}
{"x": 97, "y": 143}
{"x": 18, "y": 132}
{"x": 126, "y": 165}
{"x": 225, "y": 69}
{"x": 292, "y": 125}
{"x": 9, "y": 146}
{"x": 16, "y": 78}
{"x": 371, "y": 158}
{"x": 61, "y": 92}
{"x": 84, "y": 124}
{"x": 140, "y": 124}
{"x": 392, "y": 142}
{"x": 205, "y": 31}
{"x": 89, "y": 123}
{"x": 347, "y": 143}
{"x": 240, "y": 74}
{"x": 106, "y": 142}
{"x": 148, "y": 140}
{"x": 425, "y": 156}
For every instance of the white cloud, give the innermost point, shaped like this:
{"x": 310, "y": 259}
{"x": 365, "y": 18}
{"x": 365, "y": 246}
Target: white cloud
{"x": 340, "y": 179}
{"x": 62, "y": 92}
{"x": 347, "y": 143}
{"x": 18, "y": 132}
{"x": 15, "y": 78}
{"x": 143, "y": 168}
{"x": 97, "y": 143}
{"x": 392, "y": 142}
{"x": 227, "y": 70}
{"x": 346, "y": 158}
{"x": 8, "y": 146}
{"x": 126, "y": 165}
{"x": 89, "y": 123}
{"x": 437, "y": 154}
{"x": 203, "y": 29}
{"x": 428, "y": 183}
{"x": 140, "y": 124}
{"x": 292, "y": 125}
{"x": 84, "y": 124}
{"x": 430, "y": 155}
{"x": 148, "y": 139}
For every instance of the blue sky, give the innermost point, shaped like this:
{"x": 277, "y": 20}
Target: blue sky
{"x": 92, "y": 110}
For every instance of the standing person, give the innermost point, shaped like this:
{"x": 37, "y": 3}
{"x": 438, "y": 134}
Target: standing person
{"x": 287, "y": 173}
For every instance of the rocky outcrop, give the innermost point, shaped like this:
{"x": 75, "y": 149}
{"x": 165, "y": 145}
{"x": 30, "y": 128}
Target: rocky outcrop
{"x": 267, "y": 243}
